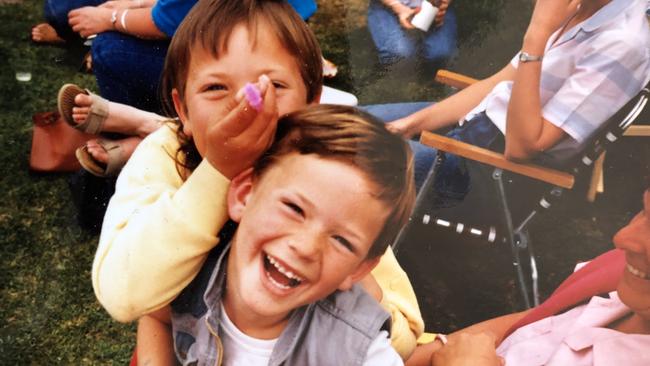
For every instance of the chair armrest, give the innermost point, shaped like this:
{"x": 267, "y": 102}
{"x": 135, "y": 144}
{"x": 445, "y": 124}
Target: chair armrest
{"x": 485, "y": 156}
{"x": 453, "y": 79}
{"x": 638, "y": 130}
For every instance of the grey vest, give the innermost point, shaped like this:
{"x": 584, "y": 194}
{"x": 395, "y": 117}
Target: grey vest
{"x": 337, "y": 330}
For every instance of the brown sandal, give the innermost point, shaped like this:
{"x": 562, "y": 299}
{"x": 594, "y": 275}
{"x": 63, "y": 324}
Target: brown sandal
{"x": 96, "y": 116}
{"x": 116, "y": 159}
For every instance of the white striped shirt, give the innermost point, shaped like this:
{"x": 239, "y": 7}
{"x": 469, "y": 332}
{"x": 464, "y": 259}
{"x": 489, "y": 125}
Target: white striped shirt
{"x": 589, "y": 73}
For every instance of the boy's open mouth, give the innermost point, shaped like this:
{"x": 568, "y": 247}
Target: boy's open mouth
{"x": 280, "y": 276}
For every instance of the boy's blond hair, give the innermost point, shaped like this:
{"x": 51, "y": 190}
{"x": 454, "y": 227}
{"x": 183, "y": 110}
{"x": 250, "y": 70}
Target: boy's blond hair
{"x": 353, "y": 137}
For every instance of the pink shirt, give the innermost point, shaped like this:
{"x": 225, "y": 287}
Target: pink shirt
{"x": 578, "y": 337}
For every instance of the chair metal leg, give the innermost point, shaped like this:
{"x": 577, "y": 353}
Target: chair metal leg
{"x": 497, "y": 176}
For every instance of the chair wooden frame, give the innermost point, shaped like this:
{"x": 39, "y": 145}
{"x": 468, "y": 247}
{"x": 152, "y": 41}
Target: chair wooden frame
{"x": 515, "y": 233}
{"x": 596, "y": 184}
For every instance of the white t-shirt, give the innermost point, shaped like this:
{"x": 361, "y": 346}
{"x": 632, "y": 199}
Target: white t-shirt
{"x": 241, "y": 349}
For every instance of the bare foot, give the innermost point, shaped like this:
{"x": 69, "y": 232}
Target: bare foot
{"x": 45, "y": 33}
{"x": 98, "y": 153}
{"x": 121, "y": 118}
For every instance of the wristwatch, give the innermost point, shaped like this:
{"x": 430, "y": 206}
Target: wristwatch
{"x": 114, "y": 18}
{"x": 527, "y": 57}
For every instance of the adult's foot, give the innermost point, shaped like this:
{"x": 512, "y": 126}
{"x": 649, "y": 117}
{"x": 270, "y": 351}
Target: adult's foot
{"x": 45, "y": 33}
{"x": 121, "y": 118}
{"x": 99, "y": 153}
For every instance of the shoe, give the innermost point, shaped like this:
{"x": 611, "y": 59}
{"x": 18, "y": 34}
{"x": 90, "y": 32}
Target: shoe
{"x": 116, "y": 159}
{"x": 96, "y": 116}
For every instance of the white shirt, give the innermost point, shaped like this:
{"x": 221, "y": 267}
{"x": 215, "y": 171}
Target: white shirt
{"x": 241, "y": 349}
{"x": 588, "y": 74}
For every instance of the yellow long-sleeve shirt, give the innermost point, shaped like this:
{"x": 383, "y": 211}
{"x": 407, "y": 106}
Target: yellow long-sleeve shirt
{"x": 158, "y": 230}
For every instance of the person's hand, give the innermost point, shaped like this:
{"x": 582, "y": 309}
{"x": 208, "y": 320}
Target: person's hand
{"x": 549, "y": 15}
{"x": 236, "y": 141}
{"x": 468, "y": 350}
{"x": 404, "y": 14}
{"x": 121, "y": 4}
{"x": 403, "y": 126}
{"x": 90, "y": 20}
{"x": 442, "y": 5}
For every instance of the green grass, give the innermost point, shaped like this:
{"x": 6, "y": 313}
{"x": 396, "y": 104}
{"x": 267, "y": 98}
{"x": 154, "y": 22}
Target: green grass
{"x": 49, "y": 314}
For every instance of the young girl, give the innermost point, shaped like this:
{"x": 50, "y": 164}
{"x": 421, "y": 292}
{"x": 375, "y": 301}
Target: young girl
{"x": 170, "y": 198}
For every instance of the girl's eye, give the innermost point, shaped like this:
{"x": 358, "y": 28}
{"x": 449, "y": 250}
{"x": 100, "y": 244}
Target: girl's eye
{"x": 343, "y": 241}
{"x": 295, "y": 208}
{"x": 215, "y": 87}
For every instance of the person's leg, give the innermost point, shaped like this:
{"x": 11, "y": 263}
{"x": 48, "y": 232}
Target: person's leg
{"x": 440, "y": 43}
{"x": 128, "y": 69}
{"x": 393, "y": 42}
{"x": 56, "y": 14}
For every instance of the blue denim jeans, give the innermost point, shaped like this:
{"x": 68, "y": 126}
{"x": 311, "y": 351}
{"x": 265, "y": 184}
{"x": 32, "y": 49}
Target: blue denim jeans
{"x": 128, "y": 69}
{"x": 56, "y": 14}
{"x": 395, "y": 43}
{"x": 452, "y": 180}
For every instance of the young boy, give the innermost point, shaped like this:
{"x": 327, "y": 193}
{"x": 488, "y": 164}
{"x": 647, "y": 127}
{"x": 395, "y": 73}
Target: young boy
{"x": 170, "y": 198}
{"x": 314, "y": 213}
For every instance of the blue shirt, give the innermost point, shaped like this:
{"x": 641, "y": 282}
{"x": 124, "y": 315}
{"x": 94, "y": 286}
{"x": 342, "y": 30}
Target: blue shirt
{"x": 168, "y": 14}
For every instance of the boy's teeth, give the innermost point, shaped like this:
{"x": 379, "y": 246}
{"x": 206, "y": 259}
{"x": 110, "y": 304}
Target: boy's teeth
{"x": 283, "y": 270}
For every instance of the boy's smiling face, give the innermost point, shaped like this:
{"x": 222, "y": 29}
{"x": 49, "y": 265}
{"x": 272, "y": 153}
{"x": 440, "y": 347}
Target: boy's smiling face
{"x": 212, "y": 83}
{"x": 305, "y": 227}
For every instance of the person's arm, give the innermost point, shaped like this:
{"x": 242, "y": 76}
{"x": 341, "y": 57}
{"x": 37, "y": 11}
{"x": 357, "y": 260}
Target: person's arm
{"x": 128, "y": 4}
{"x": 94, "y": 20}
{"x": 154, "y": 343}
{"x": 157, "y": 231}
{"x": 450, "y": 110}
{"x": 398, "y": 298}
{"x": 527, "y": 132}
{"x": 496, "y": 326}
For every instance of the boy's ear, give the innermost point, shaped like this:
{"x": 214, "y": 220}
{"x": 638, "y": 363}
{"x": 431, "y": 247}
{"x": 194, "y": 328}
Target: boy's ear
{"x": 238, "y": 194}
{"x": 364, "y": 268}
{"x": 179, "y": 106}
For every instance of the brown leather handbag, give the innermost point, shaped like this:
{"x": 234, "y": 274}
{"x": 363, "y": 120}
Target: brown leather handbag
{"x": 54, "y": 143}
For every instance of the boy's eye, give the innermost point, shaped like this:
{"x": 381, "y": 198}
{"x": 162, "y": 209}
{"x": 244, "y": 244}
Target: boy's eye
{"x": 295, "y": 208}
{"x": 343, "y": 241}
{"x": 279, "y": 85}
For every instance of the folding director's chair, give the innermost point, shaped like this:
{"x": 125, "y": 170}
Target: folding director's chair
{"x": 505, "y": 196}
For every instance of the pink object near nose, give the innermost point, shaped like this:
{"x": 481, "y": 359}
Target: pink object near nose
{"x": 253, "y": 96}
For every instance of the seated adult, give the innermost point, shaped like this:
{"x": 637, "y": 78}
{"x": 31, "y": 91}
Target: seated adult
{"x": 577, "y": 66}
{"x": 612, "y": 329}
{"x": 389, "y": 23}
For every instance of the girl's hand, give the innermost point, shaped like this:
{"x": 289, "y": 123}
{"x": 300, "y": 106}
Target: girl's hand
{"x": 549, "y": 15}
{"x": 90, "y": 20}
{"x": 236, "y": 141}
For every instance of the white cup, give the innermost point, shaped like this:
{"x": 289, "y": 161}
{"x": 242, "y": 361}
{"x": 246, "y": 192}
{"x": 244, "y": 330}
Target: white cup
{"x": 425, "y": 17}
